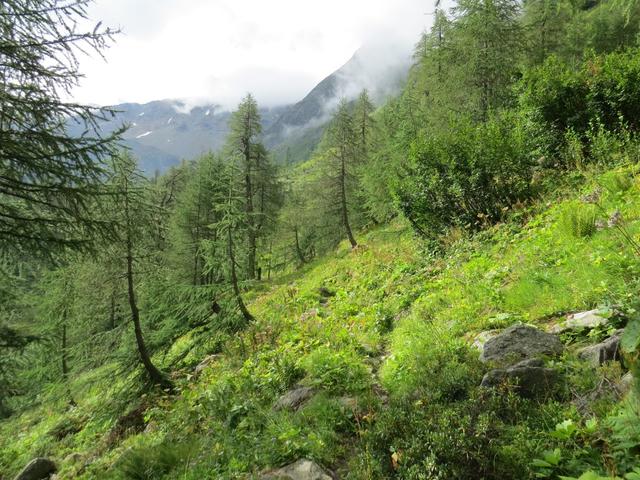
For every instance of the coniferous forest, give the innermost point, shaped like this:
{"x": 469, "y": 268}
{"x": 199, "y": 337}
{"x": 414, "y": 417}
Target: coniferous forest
{"x": 447, "y": 288}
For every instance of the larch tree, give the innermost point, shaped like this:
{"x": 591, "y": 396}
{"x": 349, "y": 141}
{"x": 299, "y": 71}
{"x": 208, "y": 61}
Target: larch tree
{"x": 49, "y": 178}
{"x": 487, "y": 43}
{"x": 232, "y": 221}
{"x": 243, "y": 146}
{"x": 342, "y": 157}
{"x": 132, "y": 214}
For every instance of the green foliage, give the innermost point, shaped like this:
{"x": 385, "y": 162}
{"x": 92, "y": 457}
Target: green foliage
{"x": 335, "y": 371}
{"x": 470, "y": 176}
{"x": 153, "y": 462}
{"x": 579, "y": 219}
{"x": 603, "y": 91}
{"x": 465, "y": 152}
{"x": 51, "y": 178}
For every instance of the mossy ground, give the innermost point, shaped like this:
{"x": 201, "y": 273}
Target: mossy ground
{"x": 399, "y": 323}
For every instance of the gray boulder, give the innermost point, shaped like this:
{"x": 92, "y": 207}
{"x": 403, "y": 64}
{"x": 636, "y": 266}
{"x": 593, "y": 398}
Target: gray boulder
{"x": 520, "y": 342}
{"x": 582, "y": 320}
{"x": 530, "y": 377}
{"x": 294, "y": 399}
{"x": 300, "y": 470}
{"x": 37, "y": 469}
{"x": 602, "y": 352}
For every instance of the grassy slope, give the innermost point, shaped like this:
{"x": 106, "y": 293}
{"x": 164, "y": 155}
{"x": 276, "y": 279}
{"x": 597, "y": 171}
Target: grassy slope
{"x": 394, "y": 311}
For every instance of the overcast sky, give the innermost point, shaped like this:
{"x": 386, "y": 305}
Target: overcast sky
{"x": 217, "y": 50}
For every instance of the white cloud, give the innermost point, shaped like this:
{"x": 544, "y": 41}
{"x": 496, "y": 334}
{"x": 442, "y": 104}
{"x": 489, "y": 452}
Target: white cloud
{"x": 217, "y": 50}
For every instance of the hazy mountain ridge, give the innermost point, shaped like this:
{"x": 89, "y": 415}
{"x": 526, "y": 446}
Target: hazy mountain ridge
{"x": 382, "y": 71}
{"x": 162, "y": 133}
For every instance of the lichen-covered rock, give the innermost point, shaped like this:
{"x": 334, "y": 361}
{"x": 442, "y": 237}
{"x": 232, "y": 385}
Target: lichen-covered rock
{"x": 582, "y": 320}
{"x": 294, "y": 399}
{"x": 602, "y": 352}
{"x": 520, "y": 342}
{"x": 300, "y": 470}
{"x": 530, "y": 378}
{"x": 37, "y": 469}
{"x": 483, "y": 337}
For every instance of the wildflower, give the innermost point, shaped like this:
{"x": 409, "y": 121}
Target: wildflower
{"x": 615, "y": 219}
{"x": 593, "y": 197}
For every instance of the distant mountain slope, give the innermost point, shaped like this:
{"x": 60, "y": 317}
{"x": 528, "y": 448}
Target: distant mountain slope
{"x": 296, "y": 133}
{"x": 164, "y": 132}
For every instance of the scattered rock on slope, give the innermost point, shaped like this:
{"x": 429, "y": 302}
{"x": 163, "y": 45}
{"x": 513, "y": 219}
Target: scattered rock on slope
{"x": 520, "y": 342}
{"x": 531, "y": 378}
{"x": 300, "y": 470}
{"x": 579, "y": 321}
{"x": 294, "y": 399}
{"x": 37, "y": 469}
{"x": 205, "y": 363}
{"x": 602, "y": 352}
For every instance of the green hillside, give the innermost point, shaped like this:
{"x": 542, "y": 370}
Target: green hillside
{"x": 387, "y": 348}
{"x": 445, "y": 288}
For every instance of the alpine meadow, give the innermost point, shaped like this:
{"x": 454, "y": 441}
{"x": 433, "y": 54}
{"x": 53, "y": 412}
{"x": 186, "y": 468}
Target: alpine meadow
{"x": 426, "y": 268}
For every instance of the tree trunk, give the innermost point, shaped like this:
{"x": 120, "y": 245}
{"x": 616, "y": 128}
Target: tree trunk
{"x": 251, "y": 232}
{"x": 112, "y": 311}
{"x": 343, "y": 201}
{"x": 65, "y": 366}
{"x": 298, "y": 249}
{"x": 64, "y": 358}
{"x": 156, "y": 376}
{"x": 234, "y": 280}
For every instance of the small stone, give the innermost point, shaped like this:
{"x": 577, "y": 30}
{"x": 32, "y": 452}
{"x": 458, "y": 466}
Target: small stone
{"x": 300, "y": 470}
{"x": 205, "y": 363}
{"x": 625, "y": 384}
{"x": 602, "y": 352}
{"x": 532, "y": 380}
{"x": 582, "y": 320}
{"x": 37, "y": 469}
{"x": 520, "y": 342}
{"x": 294, "y": 399}
{"x": 150, "y": 428}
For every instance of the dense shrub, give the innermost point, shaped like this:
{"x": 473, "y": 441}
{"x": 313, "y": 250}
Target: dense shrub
{"x": 470, "y": 175}
{"x": 604, "y": 89}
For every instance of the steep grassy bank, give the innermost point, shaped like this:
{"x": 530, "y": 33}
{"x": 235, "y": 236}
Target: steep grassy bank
{"x": 383, "y": 334}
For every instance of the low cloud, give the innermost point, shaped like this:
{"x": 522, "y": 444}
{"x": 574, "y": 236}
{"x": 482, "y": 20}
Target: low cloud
{"x": 215, "y": 52}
